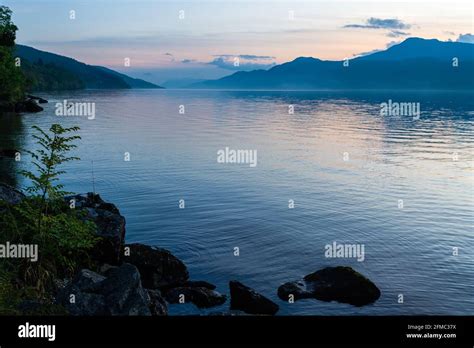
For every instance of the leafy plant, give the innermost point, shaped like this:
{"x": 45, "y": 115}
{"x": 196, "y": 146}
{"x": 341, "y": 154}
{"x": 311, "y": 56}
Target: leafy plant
{"x": 63, "y": 235}
{"x": 46, "y": 159}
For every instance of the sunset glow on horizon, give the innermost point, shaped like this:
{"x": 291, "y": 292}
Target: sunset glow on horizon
{"x": 202, "y": 38}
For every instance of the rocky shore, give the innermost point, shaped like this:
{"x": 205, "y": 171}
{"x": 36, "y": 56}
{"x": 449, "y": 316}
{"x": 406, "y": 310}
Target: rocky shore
{"x": 29, "y": 104}
{"x": 137, "y": 279}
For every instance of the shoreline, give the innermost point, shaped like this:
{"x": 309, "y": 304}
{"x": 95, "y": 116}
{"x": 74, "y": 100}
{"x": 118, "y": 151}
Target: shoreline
{"x": 138, "y": 279}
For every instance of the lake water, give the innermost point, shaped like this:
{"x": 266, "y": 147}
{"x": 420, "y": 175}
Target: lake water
{"x": 347, "y": 198}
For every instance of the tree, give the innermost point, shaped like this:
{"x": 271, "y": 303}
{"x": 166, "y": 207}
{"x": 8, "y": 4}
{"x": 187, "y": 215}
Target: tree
{"x": 7, "y": 28}
{"x": 12, "y": 82}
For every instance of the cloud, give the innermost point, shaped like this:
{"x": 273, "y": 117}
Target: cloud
{"x": 397, "y": 33}
{"x": 169, "y": 55}
{"x": 378, "y": 23}
{"x": 244, "y": 56}
{"x": 187, "y": 61}
{"x": 242, "y": 62}
{"x": 469, "y": 38}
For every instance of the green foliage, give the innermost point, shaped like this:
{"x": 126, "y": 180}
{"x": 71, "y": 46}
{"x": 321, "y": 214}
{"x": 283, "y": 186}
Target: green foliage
{"x": 49, "y": 77}
{"x": 46, "y": 159}
{"x": 12, "y": 82}
{"x": 7, "y": 28}
{"x": 9, "y": 298}
{"x": 64, "y": 236}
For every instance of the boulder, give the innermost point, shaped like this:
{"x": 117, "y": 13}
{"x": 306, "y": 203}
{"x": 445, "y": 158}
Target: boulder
{"x": 78, "y": 297}
{"x": 110, "y": 226}
{"x": 158, "y": 304}
{"x": 10, "y": 195}
{"x": 158, "y": 268}
{"x": 232, "y": 313}
{"x": 248, "y": 300}
{"x": 342, "y": 284}
{"x": 123, "y": 291}
{"x": 39, "y": 99}
{"x": 200, "y": 296}
{"x": 120, "y": 293}
{"x": 199, "y": 283}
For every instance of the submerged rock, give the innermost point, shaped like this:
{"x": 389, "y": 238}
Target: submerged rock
{"x": 342, "y": 284}
{"x": 248, "y": 300}
{"x": 158, "y": 267}
{"x": 110, "y": 226}
{"x": 202, "y": 297}
{"x": 120, "y": 293}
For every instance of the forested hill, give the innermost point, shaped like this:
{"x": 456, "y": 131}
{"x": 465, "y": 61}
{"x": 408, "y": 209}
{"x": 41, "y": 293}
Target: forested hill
{"x": 49, "y": 71}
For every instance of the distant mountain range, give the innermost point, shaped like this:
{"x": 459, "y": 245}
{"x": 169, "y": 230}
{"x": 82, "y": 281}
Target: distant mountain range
{"x": 49, "y": 71}
{"x": 413, "y": 64}
{"x": 181, "y": 83}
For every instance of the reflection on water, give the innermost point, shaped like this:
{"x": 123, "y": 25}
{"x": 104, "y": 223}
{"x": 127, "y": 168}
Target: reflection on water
{"x": 425, "y": 163}
{"x": 11, "y": 140}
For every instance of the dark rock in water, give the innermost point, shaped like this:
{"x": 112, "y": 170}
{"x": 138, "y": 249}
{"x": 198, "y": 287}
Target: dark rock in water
{"x": 26, "y": 105}
{"x": 232, "y": 313}
{"x": 199, "y": 283}
{"x": 10, "y": 153}
{"x": 158, "y": 267}
{"x": 158, "y": 303}
{"x": 200, "y": 296}
{"x": 120, "y": 293}
{"x": 29, "y": 105}
{"x": 342, "y": 284}
{"x": 10, "y": 195}
{"x": 110, "y": 226}
{"x": 39, "y": 99}
{"x": 248, "y": 300}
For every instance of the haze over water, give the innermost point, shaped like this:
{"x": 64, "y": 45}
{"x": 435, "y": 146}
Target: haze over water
{"x": 408, "y": 250}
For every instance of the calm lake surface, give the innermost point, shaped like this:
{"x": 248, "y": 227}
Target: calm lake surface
{"x": 173, "y": 156}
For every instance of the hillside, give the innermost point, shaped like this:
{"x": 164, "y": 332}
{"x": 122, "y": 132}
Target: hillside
{"x": 49, "y": 71}
{"x": 413, "y": 64}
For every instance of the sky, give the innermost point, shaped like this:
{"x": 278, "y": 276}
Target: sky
{"x": 165, "y": 40}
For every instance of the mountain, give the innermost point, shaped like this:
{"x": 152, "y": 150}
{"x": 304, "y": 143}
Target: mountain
{"x": 49, "y": 71}
{"x": 132, "y": 82}
{"x": 413, "y": 64}
{"x": 181, "y": 83}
